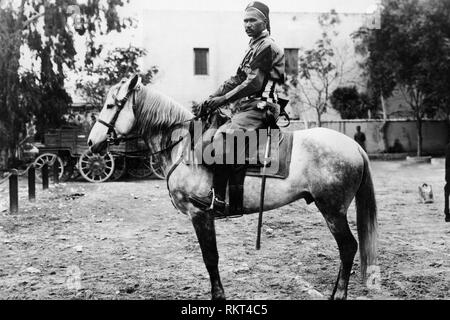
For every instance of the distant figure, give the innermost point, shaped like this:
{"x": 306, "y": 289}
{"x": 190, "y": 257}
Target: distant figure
{"x": 71, "y": 119}
{"x": 397, "y": 148}
{"x": 447, "y": 182}
{"x": 360, "y": 137}
{"x": 31, "y": 130}
{"x": 86, "y": 125}
{"x": 78, "y": 120}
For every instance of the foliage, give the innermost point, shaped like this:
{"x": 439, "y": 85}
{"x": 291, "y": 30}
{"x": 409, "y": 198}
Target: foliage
{"x": 42, "y": 26}
{"x": 347, "y": 102}
{"x": 411, "y": 52}
{"x": 119, "y": 63}
{"x": 320, "y": 70}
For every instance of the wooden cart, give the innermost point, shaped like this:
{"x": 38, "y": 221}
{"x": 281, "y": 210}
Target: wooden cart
{"x": 67, "y": 146}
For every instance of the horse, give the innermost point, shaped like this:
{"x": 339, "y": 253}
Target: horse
{"x": 327, "y": 168}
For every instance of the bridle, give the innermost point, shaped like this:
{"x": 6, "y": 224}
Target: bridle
{"x": 112, "y": 134}
{"x": 120, "y": 104}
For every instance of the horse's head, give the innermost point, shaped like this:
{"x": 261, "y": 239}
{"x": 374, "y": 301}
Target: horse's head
{"x": 116, "y": 118}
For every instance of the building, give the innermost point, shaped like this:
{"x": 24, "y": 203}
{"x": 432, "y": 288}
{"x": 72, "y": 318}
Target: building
{"x": 196, "y": 51}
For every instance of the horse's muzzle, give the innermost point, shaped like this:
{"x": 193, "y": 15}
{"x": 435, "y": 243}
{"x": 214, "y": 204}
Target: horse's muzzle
{"x": 98, "y": 147}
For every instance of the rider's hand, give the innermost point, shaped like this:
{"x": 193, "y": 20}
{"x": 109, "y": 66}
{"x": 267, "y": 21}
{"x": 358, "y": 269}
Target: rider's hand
{"x": 215, "y": 102}
{"x": 197, "y": 108}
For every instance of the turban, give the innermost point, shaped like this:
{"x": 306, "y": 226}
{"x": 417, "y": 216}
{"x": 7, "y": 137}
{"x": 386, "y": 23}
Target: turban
{"x": 261, "y": 10}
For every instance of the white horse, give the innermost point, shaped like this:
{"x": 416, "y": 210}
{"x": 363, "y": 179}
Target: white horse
{"x": 327, "y": 168}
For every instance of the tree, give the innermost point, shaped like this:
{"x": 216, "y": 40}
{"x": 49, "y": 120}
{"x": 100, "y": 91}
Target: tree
{"x": 351, "y": 104}
{"x": 410, "y": 52}
{"x": 118, "y": 63}
{"x": 42, "y": 27}
{"x": 321, "y": 70}
{"x": 12, "y": 122}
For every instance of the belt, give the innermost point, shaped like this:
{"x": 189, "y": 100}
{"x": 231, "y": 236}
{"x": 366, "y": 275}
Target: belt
{"x": 254, "y": 97}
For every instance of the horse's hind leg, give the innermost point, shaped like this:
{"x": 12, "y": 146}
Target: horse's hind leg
{"x": 446, "y": 209}
{"x": 206, "y": 234}
{"x": 338, "y": 225}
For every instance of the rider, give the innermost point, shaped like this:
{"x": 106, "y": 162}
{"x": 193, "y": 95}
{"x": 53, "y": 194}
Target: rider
{"x": 250, "y": 92}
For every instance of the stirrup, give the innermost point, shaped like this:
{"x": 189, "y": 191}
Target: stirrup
{"x": 204, "y": 203}
{"x": 213, "y": 198}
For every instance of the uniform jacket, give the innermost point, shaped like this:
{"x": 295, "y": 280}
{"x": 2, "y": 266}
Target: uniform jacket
{"x": 262, "y": 65}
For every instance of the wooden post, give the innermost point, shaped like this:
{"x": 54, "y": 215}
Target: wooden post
{"x": 13, "y": 192}
{"x": 55, "y": 172}
{"x": 45, "y": 176}
{"x": 32, "y": 183}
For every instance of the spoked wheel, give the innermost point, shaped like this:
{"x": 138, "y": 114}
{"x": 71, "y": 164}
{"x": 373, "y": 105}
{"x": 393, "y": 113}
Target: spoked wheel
{"x": 139, "y": 168}
{"x": 120, "y": 169}
{"x": 95, "y": 167}
{"x": 48, "y": 158}
{"x": 157, "y": 168}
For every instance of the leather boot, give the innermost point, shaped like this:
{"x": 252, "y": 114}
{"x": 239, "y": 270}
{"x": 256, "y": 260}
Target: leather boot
{"x": 215, "y": 200}
{"x": 236, "y": 208}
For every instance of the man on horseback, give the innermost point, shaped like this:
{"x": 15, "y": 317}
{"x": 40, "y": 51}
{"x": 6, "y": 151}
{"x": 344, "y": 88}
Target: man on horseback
{"x": 252, "y": 95}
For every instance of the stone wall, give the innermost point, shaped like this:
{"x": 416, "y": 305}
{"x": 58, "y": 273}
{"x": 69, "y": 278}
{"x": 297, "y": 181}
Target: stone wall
{"x": 435, "y": 134}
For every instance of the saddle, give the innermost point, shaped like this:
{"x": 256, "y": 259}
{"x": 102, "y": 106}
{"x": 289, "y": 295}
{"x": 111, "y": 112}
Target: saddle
{"x": 279, "y": 159}
{"x": 280, "y": 147}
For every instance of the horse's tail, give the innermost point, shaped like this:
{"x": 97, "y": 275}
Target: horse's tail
{"x": 366, "y": 219}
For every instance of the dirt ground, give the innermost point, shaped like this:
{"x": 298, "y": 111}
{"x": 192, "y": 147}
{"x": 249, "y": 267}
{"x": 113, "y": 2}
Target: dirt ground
{"x": 124, "y": 240}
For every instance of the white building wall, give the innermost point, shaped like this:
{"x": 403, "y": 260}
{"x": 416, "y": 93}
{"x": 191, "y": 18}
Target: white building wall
{"x": 170, "y": 37}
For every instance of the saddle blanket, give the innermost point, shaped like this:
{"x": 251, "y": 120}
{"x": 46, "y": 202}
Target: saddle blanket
{"x": 280, "y": 157}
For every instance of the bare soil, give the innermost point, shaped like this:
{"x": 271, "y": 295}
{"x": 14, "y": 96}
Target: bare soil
{"x": 125, "y": 240}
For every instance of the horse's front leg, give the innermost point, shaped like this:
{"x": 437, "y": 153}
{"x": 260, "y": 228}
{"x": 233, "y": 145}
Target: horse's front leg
{"x": 206, "y": 233}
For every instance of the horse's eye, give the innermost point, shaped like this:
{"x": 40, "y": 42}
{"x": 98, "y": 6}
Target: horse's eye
{"x": 109, "y": 106}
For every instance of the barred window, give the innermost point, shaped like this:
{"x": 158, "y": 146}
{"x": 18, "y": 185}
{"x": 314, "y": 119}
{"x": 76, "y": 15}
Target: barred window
{"x": 201, "y": 61}
{"x": 291, "y": 61}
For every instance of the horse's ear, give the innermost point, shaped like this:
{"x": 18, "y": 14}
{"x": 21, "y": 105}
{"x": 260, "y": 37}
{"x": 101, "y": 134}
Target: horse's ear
{"x": 135, "y": 82}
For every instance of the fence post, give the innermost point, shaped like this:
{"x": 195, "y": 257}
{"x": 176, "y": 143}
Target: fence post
{"x": 13, "y": 192}
{"x": 55, "y": 172}
{"x": 31, "y": 183}
{"x": 45, "y": 176}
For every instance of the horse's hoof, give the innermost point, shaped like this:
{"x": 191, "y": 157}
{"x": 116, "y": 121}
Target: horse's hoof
{"x": 447, "y": 218}
{"x": 338, "y": 296}
{"x": 218, "y": 297}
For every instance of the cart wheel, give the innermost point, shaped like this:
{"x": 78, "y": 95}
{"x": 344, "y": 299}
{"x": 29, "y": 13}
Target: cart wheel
{"x": 95, "y": 167}
{"x": 157, "y": 168}
{"x": 48, "y": 157}
{"x": 120, "y": 168}
{"x": 139, "y": 168}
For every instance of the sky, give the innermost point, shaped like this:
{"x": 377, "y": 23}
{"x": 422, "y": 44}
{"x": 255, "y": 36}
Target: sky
{"x": 358, "y": 6}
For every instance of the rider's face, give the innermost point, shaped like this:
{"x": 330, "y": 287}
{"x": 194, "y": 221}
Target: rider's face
{"x": 253, "y": 24}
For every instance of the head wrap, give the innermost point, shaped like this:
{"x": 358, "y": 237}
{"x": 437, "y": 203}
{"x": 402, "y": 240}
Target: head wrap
{"x": 262, "y": 10}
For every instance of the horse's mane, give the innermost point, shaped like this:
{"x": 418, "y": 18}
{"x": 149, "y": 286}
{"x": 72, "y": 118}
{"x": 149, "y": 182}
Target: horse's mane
{"x": 156, "y": 112}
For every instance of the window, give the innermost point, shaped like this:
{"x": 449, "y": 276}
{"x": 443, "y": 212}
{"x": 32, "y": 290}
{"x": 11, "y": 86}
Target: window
{"x": 291, "y": 61}
{"x": 201, "y": 61}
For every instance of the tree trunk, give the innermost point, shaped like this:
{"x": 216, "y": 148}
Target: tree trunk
{"x": 419, "y": 134}
{"x": 319, "y": 119}
{"x": 383, "y": 107}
